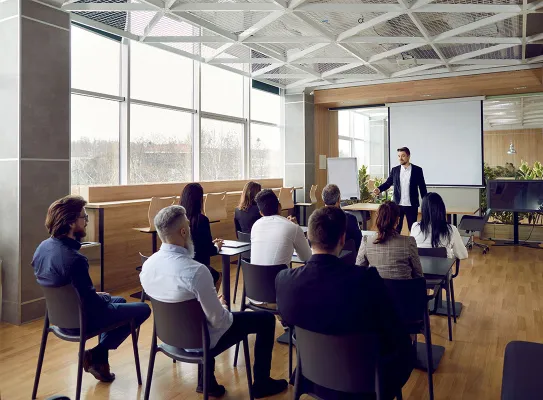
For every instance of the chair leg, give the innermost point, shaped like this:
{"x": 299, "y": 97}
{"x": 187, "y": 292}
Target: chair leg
{"x": 429, "y": 354}
{"x": 236, "y": 355}
{"x": 448, "y": 294}
{"x": 206, "y": 380}
{"x": 237, "y": 279}
{"x": 290, "y": 352}
{"x": 136, "y": 353}
{"x": 41, "y": 355}
{"x": 81, "y": 355}
{"x": 399, "y": 395}
{"x": 453, "y": 301}
{"x": 152, "y": 356}
{"x": 248, "y": 367}
{"x": 298, "y": 379}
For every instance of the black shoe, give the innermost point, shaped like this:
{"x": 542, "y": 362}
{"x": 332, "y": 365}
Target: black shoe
{"x": 269, "y": 387}
{"x": 214, "y": 391}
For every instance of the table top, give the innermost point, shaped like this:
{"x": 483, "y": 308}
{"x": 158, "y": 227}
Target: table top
{"x": 436, "y": 266}
{"x": 296, "y": 259}
{"x": 234, "y": 251}
{"x": 375, "y": 207}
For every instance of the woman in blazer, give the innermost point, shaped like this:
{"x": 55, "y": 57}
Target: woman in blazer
{"x": 394, "y": 256}
{"x": 205, "y": 247}
{"x": 247, "y": 213}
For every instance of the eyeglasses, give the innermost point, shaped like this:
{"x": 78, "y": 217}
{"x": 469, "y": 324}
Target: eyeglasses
{"x": 85, "y": 217}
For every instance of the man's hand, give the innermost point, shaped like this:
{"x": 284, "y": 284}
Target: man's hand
{"x": 218, "y": 243}
{"x": 221, "y": 299}
{"x": 292, "y": 219}
{"x": 376, "y": 191}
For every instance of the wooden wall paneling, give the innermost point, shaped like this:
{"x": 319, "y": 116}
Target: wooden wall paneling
{"x": 528, "y": 144}
{"x": 498, "y": 83}
{"x": 326, "y": 143}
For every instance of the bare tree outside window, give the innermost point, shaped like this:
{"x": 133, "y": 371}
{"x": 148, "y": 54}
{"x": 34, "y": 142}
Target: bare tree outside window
{"x": 221, "y": 147}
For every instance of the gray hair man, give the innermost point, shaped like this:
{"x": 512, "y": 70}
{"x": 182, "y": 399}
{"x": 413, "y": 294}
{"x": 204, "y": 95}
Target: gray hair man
{"x": 172, "y": 276}
{"x": 331, "y": 195}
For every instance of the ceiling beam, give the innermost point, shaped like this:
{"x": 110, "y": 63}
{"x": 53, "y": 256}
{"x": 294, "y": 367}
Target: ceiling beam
{"x": 267, "y": 69}
{"x": 355, "y": 54}
{"x": 473, "y": 25}
{"x": 314, "y": 25}
{"x": 408, "y": 71}
{"x": 187, "y": 39}
{"x": 477, "y": 53}
{"x": 219, "y": 51}
{"x": 106, "y": 7}
{"x": 325, "y": 60}
{"x": 349, "y": 8}
{"x": 301, "y": 82}
{"x": 227, "y": 7}
{"x": 470, "y": 8}
{"x": 288, "y": 39}
{"x": 342, "y": 68}
{"x": 355, "y": 76}
{"x": 392, "y": 52}
{"x": 235, "y": 60}
{"x": 309, "y": 50}
{"x": 267, "y": 20}
{"x": 368, "y": 24}
{"x": 535, "y": 38}
{"x": 284, "y": 76}
{"x": 151, "y": 25}
{"x": 293, "y": 4}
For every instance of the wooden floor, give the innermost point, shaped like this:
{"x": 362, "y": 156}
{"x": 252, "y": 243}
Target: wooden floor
{"x": 503, "y": 297}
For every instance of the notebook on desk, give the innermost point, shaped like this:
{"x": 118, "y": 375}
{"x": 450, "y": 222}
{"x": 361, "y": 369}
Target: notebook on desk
{"x": 234, "y": 244}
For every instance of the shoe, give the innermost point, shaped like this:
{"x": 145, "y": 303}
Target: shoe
{"x": 269, "y": 387}
{"x": 99, "y": 371}
{"x": 214, "y": 391}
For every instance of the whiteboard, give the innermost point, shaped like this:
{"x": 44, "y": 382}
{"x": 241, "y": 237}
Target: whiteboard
{"x": 445, "y": 139}
{"x": 343, "y": 172}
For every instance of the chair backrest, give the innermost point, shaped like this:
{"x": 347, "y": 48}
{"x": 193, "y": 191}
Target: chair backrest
{"x": 440, "y": 252}
{"x": 409, "y": 298}
{"x": 259, "y": 281}
{"x": 313, "y": 194}
{"x": 157, "y": 204}
{"x": 350, "y": 258}
{"x": 346, "y": 363}
{"x": 63, "y": 306}
{"x": 215, "y": 206}
{"x": 245, "y": 237}
{"x": 143, "y": 258}
{"x": 181, "y": 325}
{"x": 285, "y": 198}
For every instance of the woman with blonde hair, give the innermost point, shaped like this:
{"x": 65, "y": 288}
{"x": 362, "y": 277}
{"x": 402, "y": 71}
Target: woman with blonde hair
{"x": 247, "y": 212}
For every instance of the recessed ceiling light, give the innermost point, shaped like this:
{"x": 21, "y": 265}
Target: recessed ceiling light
{"x": 519, "y": 88}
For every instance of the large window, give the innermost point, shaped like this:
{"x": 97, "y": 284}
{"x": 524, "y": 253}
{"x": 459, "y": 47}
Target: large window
{"x": 362, "y": 135}
{"x": 95, "y": 141}
{"x": 160, "y": 145}
{"x": 265, "y": 106}
{"x": 266, "y": 154}
{"x": 221, "y": 150}
{"x": 222, "y": 91}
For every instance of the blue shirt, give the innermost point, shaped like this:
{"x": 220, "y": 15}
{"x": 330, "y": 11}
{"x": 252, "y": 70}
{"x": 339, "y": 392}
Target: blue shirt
{"x": 57, "y": 262}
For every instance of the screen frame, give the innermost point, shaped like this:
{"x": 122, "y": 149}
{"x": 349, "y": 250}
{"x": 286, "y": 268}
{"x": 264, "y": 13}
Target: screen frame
{"x": 450, "y": 186}
{"x": 509, "y": 181}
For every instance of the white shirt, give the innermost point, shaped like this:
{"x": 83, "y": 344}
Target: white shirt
{"x": 171, "y": 276}
{"x": 274, "y": 239}
{"x": 405, "y": 180}
{"x": 455, "y": 247}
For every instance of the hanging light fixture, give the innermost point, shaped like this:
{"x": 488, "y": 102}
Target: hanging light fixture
{"x": 511, "y": 149}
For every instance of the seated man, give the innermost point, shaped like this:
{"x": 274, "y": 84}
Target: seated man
{"x": 273, "y": 237}
{"x": 171, "y": 275}
{"x": 332, "y": 198}
{"x": 58, "y": 262}
{"x": 332, "y": 298}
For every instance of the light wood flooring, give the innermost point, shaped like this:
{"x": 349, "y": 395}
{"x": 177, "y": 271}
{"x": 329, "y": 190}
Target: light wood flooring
{"x": 503, "y": 297}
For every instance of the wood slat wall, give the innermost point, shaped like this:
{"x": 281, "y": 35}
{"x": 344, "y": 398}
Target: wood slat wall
{"x": 326, "y": 143}
{"x": 528, "y": 144}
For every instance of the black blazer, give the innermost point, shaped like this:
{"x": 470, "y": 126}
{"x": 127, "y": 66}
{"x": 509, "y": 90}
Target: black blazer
{"x": 417, "y": 183}
{"x": 204, "y": 248}
{"x": 353, "y": 231}
{"x": 244, "y": 220}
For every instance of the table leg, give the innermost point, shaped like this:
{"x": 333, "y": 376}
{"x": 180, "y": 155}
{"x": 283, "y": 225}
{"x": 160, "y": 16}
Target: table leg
{"x": 448, "y": 294}
{"x": 449, "y": 218}
{"x": 455, "y": 219}
{"x": 101, "y": 240}
{"x": 364, "y": 221}
{"x": 154, "y": 235}
{"x": 226, "y": 279}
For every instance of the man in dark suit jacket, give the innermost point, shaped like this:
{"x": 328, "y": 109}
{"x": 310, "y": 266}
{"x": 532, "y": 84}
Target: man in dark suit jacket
{"x": 407, "y": 179}
{"x": 329, "y": 297}
{"x": 332, "y": 197}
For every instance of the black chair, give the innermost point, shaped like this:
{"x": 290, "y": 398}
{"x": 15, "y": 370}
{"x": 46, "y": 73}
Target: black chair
{"x": 143, "y": 259}
{"x": 446, "y": 284}
{"x": 350, "y": 259}
{"x": 411, "y": 303}
{"x": 246, "y": 238}
{"x": 522, "y": 366}
{"x": 65, "y": 311}
{"x": 183, "y": 326}
{"x": 348, "y": 363}
{"x": 259, "y": 285}
{"x": 474, "y": 223}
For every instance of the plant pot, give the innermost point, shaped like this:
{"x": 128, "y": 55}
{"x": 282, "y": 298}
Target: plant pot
{"x": 494, "y": 230}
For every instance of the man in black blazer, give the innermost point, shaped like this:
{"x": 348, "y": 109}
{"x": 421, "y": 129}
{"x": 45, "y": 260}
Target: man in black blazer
{"x": 407, "y": 179}
{"x": 332, "y": 198}
{"x": 332, "y": 298}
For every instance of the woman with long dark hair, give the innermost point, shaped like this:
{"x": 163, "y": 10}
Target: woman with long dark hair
{"x": 192, "y": 198}
{"x": 394, "y": 256}
{"x": 434, "y": 231}
{"x": 247, "y": 212}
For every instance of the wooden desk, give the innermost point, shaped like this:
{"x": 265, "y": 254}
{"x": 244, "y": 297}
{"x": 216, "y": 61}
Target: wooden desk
{"x": 226, "y": 253}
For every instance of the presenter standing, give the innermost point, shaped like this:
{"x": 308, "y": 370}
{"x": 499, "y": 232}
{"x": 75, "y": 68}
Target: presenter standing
{"x": 407, "y": 179}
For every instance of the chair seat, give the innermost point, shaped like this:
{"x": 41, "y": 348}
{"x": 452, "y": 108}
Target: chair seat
{"x": 72, "y": 335}
{"x": 145, "y": 230}
{"x": 139, "y": 268}
{"x": 522, "y": 371}
{"x": 471, "y": 223}
{"x": 181, "y": 354}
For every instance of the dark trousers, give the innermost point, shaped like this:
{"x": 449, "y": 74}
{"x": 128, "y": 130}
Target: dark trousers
{"x": 411, "y": 214}
{"x": 214, "y": 274}
{"x": 245, "y": 323}
{"x": 117, "y": 310}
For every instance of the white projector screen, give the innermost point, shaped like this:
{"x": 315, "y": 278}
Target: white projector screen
{"x": 343, "y": 172}
{"x": 445, "y": 139}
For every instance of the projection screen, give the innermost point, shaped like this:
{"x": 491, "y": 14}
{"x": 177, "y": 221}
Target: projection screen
{"x": 445, "y": 138}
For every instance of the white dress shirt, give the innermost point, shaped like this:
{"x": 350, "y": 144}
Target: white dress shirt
{"x": 455, "y": 247}
{"x": 274, "y": 239}
{"x": 171, "y": 276}
{"x": 405, "y": 180}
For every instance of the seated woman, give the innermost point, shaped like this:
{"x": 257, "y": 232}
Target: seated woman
{"x": 247, "y": 213}
{"x": 394, "y": 256}
{"x": 434, "y": 231}
{"x": 205, "y": 246}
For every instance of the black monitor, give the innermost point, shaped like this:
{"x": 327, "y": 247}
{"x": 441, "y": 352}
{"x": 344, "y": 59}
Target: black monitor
{"x": 515, "y": 195}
